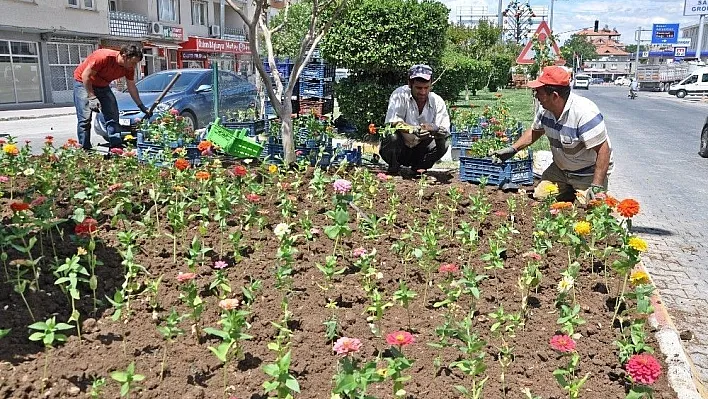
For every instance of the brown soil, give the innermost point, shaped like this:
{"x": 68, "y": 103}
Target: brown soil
{"x": 194, "y": 372}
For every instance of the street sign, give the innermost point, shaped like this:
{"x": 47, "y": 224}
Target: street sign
{"x": 645, "y": 54}
{"x": 664, "y": 33}
{"x": 544, "y": 35}
{"x": 695, "y": 7}
{"x": 679, "y": 51}
{"x": 682, "y": 42}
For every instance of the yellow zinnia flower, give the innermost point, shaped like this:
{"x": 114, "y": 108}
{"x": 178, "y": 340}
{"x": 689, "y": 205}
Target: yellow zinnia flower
{"x": 639, "y": 277}
{"x": 10, "y": 149}
{"x": 382, "y": 372}
{"x": 582, "y": 228}
{"x": 637, "y": 244}
{"x": 272, "y": 169}
{"x": 129, "y": 137}
{"x": 546, "y": 188}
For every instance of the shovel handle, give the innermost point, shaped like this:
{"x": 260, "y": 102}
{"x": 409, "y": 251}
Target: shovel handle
{"x": 164, "y": 92}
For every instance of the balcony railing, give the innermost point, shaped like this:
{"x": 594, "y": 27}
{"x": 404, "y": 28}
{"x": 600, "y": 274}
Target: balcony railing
{"x": 234, "y": 34}
{"x": 127, "y": 24}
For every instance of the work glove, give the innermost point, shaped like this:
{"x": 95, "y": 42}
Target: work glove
{"x": 505, "y": 153}
{"x": 145, "y": 111}
{"x": 590, "y": 194}
{"x": 93, "y": 104}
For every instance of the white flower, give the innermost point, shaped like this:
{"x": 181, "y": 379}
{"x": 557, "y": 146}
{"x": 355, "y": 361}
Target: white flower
{"x": 28, "y": 172}
{"x": 566, "y": 284}
{"x": 281, "y": 229}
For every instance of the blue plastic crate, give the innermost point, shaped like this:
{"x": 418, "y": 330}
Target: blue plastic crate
{"x": 320, "y": 71}
{"x": 352, "y": 156}
{"x": 316, "y": 89}
{"x": 513, "y": 171}
{"x": 162, "y": 154}
{"x": 465, "y": 138}
{"x": 254, "y": 127}
{"x": 284, "y": 67}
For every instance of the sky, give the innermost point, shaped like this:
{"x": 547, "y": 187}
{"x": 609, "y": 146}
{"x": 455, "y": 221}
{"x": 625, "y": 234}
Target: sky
{"x": 573, "y": 15}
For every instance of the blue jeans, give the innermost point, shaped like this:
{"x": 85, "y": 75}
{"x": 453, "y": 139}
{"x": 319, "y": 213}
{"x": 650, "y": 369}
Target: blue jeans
{"x": 109, "y": 108}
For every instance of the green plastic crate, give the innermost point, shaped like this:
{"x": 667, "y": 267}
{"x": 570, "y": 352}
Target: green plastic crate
{"x": 234, "y": 142}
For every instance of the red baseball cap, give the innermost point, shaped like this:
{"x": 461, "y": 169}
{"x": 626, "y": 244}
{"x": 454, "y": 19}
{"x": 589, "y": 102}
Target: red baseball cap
{"x": 551, "y": 75}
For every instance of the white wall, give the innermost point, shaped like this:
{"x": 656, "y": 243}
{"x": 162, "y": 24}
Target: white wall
{"x": 55, "y": 15}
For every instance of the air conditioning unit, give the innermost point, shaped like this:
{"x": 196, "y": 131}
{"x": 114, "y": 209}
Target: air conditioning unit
{"x": 155, "y": 28}
{"x": 215, "y": 31}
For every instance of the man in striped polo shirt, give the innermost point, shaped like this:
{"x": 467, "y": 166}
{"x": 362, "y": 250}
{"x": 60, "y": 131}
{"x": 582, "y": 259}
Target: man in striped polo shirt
{"x": 582, "y": 154}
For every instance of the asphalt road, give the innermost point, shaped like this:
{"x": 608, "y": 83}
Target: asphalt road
{"x": 35, "y": 130}
{"x": 655, "y": 140}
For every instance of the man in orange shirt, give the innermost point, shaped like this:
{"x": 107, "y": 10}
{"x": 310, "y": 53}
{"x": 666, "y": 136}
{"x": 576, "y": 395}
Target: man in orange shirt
{"x": 92, "y": 90}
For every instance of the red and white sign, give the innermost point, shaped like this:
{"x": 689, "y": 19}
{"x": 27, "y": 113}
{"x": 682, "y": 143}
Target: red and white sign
{"x": 216, "y": 46}
{"x": 544, "y": 35}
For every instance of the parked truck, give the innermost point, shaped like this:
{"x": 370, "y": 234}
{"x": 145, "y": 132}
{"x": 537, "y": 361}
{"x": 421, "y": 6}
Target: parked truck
{"x": 661, "y": 77}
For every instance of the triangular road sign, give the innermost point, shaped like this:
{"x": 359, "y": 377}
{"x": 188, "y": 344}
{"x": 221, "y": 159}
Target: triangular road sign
{"x": 544, "y": 34}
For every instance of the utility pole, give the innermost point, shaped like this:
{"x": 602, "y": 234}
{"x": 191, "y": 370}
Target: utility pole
{"x": 500, "y": 21}
{"x": 222, "y": 18}
{"x": 699, "y": 43}
{"x": 550, "y": 19}
{"x": 636, "y": 56}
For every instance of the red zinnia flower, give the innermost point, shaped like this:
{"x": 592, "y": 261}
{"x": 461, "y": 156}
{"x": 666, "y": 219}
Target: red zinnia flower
{"x": 204, "y": 145}
{"x": 400, "y": 338}
{"x": 252, "y": 198}
{"x": 174, "y": 112}
{"x": 562, "y": 343}
{"x": 181, "y": 164}
{"x": 628, "y": 208}
{"x": 182, "y": 277}
{"x": 117, "y": 151}
{"x": 86, "y": 228}
{"x": 240, "y": 171}
{"x": 644, "y": 369}
{"x": 19, "y": 206}
{"x": 372, "y": 128}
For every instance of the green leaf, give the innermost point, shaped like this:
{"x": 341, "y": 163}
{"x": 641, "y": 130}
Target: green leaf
{"x": 271, "y": 369}
{"x": 292, "y": 384}
{"x": 119, "y": 376}
{"x": 4, "y": 332}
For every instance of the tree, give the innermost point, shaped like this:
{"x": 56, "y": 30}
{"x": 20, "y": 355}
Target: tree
{"x": 323, "y": 13}
{"x": 578, "y": 46}
{"x": 378, "y": 41}
{"x": 295, "y": 22}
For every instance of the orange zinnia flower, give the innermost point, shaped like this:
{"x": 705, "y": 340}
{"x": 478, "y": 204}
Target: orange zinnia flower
{"x": 181, "y": 164}
{"x": 372, "y": 128}
{"x": 611, "y": 201}
{"x": 628, "y": 208}
{"x": 204, "y": 145}
{"x": 202, "y": 175}
{"x": 561, "y": 205}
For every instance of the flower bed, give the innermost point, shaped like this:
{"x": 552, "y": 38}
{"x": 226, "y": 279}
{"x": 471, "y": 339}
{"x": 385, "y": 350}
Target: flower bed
{"x": 215, "y": 282}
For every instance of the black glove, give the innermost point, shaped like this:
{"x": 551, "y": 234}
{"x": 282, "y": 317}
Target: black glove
{"x": 505, "y": 153}
{"x": 93, "y": 104}
{"x": 145, "y": 111}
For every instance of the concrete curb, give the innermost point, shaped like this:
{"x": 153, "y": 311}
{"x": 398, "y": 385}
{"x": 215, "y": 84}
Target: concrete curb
{"x": 23, "y": 117}
{"x": 681, "y": 372}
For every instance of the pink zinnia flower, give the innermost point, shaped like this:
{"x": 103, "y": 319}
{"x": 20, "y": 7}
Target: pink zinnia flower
{"x": 345, "y": 346}
{"x": 500, "y": 214}
{"x": 183, "y": 277}
{"x": 359, "y": 252}
{"x": 38, "y": 201}
{"x": 342, "y": 186}
{"x": 448, "y": 268}
{"x": 130, "y": 154}
{"x": 383, "y": 176}
{"x": 220, "y": 264}
{"x": 117, "y": 151}
{"x": 532, "y": 255}
{"x": 644, "y": 368}
{"x": 562, "y": 343}
{"x": 315, "y": 231}
{"x": 4, "y": 179}
{"x": 400, "y": 338}
{"x": 229, "y": 304}
{"x": 252, "y": 198}
{"x": 115, "y": 187}
{"x": 174, "y": 112}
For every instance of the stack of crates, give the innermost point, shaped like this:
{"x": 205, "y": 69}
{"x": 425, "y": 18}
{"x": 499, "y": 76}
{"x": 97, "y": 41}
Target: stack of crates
{"x": 285, "y": 68}
{"x": 317, "y": 87}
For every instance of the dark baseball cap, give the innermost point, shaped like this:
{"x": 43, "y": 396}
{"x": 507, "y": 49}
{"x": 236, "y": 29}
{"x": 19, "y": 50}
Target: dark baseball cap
{"x": 420, "y": 71}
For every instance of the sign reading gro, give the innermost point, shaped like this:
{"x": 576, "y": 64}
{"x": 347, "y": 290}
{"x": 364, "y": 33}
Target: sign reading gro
{"x": 695, "y": 7}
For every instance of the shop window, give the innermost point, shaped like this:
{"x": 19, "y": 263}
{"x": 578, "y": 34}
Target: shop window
{"x": 199, "y": 12}
{"x": 167, "y": 10}
{"x": 172, "y": 56}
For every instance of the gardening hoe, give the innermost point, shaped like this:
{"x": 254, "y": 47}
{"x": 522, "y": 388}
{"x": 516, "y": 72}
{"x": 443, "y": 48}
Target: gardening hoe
{"x": 164, "y": 92}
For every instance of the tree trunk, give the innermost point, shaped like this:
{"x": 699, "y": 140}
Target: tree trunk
{"x": 286, "y": 129}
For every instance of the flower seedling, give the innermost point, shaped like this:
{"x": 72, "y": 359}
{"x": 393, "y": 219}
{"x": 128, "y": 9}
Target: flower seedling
{"x": 169, "y": 332}
{"x": 48, "y": 332}
{"x": 69, "y": 277}
{"x": 566, "y": 375}
{"x": 398, "y": 363}
{"x": 352, "y": 380}
{"x": 405, "y": 296}
{"x": 127, "y": 379}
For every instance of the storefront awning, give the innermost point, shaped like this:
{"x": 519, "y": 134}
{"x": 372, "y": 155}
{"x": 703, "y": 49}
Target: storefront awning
{"x": 171, "y": 46}
{"x": 208, "y": 45}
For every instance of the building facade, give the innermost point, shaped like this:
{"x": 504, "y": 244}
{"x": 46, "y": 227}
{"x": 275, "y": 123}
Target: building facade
{"x": 42, "y": 41}
{"x": 612, "y": 60}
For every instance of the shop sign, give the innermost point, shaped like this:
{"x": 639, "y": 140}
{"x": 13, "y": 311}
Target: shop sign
{"x": 218, "y": 46}
{"x": 173, "y": 32}
{"x": 190, "y": 56}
